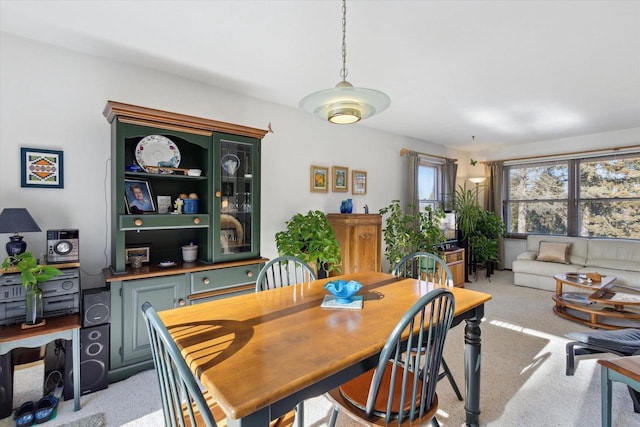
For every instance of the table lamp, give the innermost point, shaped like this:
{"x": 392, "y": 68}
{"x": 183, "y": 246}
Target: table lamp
{"x": 16, "y": 220}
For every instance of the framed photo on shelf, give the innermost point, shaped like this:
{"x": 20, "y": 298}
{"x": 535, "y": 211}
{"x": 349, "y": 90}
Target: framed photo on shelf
{"x": 340, "y": 182}
{"x": 144, "y": 251}
{"x": 358, "y": 182}
{"x": 138, "y": 197}
{"x": 41, "y": 168}
{"x": 319, "y": 179}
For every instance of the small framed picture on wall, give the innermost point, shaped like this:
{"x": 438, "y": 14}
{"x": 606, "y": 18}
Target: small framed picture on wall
{"x": 358, "y": 182}
{"x": 340, "y": 182}
{"x": 41, "y": 168}
{"x": 319, "y": 179}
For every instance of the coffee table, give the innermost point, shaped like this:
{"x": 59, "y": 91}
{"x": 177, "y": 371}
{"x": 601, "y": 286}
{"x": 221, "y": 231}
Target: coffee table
{"x": 602, "y": 307}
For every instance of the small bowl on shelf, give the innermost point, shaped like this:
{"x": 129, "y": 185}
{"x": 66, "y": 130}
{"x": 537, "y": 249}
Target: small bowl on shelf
{"x": 194, "y": 172}
{"x": 343, "y": 290}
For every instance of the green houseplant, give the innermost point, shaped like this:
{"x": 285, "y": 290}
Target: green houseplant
{"x": 311, "y": 238}
{"x": 31, "y": 273}
{"x": 408, "y": 232}
{"x": 479, "y": 230}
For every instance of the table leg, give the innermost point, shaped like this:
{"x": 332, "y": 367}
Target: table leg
{"x": 472, "y": 363}
{"x": 605, "y": 390}
{"x": 76, "y": 368}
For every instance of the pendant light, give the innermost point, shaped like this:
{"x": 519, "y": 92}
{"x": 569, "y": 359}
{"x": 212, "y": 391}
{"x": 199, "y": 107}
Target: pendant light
{"x": 345, "y": 104}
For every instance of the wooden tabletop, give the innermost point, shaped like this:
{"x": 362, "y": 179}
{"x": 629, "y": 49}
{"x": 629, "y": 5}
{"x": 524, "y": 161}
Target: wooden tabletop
{"x": 255, "y": 349}
{"x": 628, "y": 366}
{"x": 53, "y": 324}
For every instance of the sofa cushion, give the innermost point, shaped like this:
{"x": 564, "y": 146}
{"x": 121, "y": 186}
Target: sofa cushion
{"x": 578, "y": 254}
{"x": 618, "y": 254}
{"x": 554, "y": 252}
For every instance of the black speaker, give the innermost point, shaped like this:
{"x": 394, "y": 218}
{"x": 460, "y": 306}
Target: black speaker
{"x": 94, "y": 361}
{"x": 96, "y": 307}
{"x": 6, "y": 385}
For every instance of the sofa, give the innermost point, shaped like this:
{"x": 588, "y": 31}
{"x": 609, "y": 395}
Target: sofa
{"x": 548, "y": 255}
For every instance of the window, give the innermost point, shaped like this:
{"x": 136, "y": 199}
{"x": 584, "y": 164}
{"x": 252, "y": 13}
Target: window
{"x": 592, "y": 197}
{"x": 429, "y": 184}
{"x": 609, "y": 197}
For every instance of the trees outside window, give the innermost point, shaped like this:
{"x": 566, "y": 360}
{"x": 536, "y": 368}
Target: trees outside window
{"x": 593, "y": 197}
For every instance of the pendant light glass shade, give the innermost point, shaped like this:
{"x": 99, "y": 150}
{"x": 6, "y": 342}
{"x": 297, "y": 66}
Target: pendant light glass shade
{"x": 345, "y": 104}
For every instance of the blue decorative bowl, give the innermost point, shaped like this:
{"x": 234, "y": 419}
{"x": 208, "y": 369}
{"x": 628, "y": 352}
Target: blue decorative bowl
{"x": 342, "y": 290}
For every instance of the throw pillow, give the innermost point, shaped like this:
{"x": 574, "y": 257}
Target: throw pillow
{"x": 554, "y": 252}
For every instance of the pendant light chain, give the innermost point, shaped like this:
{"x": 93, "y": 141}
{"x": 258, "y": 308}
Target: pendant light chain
{"x": 344, "y": 72}
{"x": 345, "y": 104}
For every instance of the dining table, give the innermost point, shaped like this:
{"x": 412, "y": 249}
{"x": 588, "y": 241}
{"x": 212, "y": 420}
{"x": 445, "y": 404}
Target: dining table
{"x": 259, "y": 354}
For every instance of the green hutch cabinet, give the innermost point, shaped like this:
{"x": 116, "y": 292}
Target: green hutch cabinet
{"x": 155, "y": 152}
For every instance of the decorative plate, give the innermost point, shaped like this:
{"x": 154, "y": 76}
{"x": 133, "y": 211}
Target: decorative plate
{"x": 230, "y": 163}
{"x": 157, "y": 150}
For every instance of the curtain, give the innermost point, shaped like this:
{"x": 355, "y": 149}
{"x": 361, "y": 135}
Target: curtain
{"x": 449, "y": 171}
{"x": 412, "y": 197}
{"x": 493, "y": 199}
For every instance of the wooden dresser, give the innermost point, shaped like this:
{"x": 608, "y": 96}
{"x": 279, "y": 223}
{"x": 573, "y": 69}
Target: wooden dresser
{"x": 360, "y": 238}
{"x": 455, "y": 260}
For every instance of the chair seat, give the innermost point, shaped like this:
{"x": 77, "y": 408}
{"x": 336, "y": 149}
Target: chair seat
{"x": 624, "y": 341}
{"x": 352, "y": 399}
{"x": 221, "y": 418}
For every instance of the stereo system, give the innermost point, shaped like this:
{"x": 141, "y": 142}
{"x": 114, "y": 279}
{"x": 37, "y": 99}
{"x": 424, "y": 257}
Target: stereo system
{"x": 96, "y": 307}
{"x": 94, "y": 361}
{"x": 94, "y": 344}
{"x": 6, "y": 385}
{"x": 62, "y": 246}
{"x": 60, "y": 296}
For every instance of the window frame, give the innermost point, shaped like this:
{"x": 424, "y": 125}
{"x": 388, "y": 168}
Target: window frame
{"x": 438, "y": 201}
{"x": 573, "y": 200}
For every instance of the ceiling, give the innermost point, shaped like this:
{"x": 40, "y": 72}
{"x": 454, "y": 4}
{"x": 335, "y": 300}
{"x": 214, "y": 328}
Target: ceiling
{"x": 505, "y": 72}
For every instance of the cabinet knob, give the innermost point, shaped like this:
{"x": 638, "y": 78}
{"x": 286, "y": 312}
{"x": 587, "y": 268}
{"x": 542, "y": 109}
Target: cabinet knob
{"x": 206, "y": 281}
{"x": 138, "y": 222}
{"x": 249, "y": 273}
{"x": 218, "y": 194}
{"x": 181, "y": 302}
{"x": 196, "y": 220}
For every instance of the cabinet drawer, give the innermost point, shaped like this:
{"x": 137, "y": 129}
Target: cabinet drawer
{"x": 148, "y": 222}
{"x": 202, "y": 281}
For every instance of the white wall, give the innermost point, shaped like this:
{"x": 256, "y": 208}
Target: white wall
{"x": 54, "y": 98}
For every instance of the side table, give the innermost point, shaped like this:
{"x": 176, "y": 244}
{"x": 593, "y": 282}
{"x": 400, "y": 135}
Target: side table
{"x": 623, "y": 369}
{"x": 63, "y": 327}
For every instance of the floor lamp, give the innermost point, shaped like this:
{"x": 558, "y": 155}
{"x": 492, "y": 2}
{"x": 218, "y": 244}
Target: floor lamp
{"x": 477, "y": 181}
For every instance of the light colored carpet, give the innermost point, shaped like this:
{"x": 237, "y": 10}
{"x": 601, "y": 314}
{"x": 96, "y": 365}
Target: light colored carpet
{"x": 522, "y": 379}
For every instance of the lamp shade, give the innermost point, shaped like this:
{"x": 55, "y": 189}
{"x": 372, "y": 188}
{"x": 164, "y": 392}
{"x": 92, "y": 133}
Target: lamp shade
{"x": 478, "y": 180}
{"x": 345, "y": 104}
{"x": 16, "y": 220}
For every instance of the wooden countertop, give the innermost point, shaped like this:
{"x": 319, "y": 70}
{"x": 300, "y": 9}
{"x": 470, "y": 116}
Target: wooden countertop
{"x": 152, "y": 270}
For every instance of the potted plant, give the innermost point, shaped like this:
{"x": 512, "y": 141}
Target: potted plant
{"x": 30, "y": 275}
{"x": 484, "y": 241}
{"x": 479, "y": 230}
{"x": 311, "y": 238}
{"x": 408, "y": 232}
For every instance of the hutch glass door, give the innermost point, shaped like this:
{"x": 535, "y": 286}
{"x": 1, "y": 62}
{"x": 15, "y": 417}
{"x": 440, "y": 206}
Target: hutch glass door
{"x": 238, "y": 211}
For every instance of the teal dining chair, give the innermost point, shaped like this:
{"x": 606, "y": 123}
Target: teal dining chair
{"x": 283, "y": 271}
{"x": 183, "y": 401}
{"x": 401, "y": 389}
{"x": 429, "y": 267}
